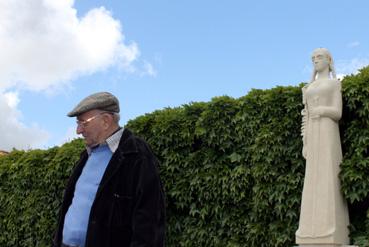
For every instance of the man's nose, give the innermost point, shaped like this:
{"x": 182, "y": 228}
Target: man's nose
{"x": 79, "y": 130}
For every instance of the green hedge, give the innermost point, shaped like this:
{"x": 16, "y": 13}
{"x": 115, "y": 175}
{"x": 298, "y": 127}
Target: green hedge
{"x": 31, "y": 188}
{"x": 232, "y": 171}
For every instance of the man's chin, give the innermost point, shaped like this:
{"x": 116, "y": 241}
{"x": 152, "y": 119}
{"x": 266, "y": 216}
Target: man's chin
{"x": 91, "y": 144}
{"x": 88, "y": 143}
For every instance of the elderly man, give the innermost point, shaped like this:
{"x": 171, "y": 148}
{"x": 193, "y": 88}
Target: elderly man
{"x": 114, "y": 196}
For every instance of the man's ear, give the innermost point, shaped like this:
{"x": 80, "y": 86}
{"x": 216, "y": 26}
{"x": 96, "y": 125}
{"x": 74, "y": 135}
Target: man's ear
{"x": 108, "y": 119}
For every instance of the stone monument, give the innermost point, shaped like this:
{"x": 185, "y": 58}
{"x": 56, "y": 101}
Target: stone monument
{"x": 324, "y": 216}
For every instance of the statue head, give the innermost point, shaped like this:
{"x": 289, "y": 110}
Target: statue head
{"x": 322, "y": 60}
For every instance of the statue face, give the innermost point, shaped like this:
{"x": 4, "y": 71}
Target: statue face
{"x": 320, "y": 60}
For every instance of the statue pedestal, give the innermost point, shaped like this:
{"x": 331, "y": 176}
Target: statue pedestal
{"x": 325, "y": 245}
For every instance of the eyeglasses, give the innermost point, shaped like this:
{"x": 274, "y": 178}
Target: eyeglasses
{"x": 84, "y": 123}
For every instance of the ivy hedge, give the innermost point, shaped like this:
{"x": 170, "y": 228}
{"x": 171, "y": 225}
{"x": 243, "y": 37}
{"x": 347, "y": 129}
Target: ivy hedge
{"x": 232, "y": 171}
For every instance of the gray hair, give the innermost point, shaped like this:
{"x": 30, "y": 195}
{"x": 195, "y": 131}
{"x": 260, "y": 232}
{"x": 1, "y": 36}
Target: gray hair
{"x": 116, "y": 117}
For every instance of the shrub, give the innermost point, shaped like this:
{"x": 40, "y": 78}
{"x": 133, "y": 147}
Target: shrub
{"x": 232, "y": 171}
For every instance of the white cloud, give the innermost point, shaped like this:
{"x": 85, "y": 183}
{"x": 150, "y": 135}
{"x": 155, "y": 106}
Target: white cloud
{"x": 45, "y": 44}
{"x": 69, "y": 136}
{"x": 15, "y": 134}
{"x": 340, "y": 76}
{"x": 149, "y": 69}
{"x": 353, "y": 44}
{"x": 11, "y": 99}
{"x": 346, "y": 67}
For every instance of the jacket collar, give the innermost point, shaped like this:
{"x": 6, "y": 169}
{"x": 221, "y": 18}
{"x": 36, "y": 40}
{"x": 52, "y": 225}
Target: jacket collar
{"x": 127, "y": 143}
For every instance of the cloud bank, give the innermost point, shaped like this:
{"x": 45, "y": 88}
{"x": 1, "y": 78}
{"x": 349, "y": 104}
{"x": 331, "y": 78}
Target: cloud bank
{"x": 347, "y": 67}
{"x": 44, "y": 46}
{"x": 15, "y": 134}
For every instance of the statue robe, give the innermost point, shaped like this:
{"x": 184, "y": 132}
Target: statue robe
{"x": 324, "y": 215}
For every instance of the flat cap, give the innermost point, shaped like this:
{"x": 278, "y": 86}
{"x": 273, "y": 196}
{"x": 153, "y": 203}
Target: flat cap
{"x": 102, "y": 101}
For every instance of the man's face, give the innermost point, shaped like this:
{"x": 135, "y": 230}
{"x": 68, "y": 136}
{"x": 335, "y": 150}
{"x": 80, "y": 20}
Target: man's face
{"x": 90, "y": 126}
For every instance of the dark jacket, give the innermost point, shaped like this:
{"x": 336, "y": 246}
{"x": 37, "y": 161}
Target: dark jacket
{"x": 129, "y": 208}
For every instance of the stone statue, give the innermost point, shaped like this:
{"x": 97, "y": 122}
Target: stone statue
{"x": 324, "y": 215}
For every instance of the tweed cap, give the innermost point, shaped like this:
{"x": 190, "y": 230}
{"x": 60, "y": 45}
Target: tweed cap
{"x": 102, "y": 101}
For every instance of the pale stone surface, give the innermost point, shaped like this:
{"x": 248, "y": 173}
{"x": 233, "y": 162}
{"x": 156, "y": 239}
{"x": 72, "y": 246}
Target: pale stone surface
{"x": 324, "y": 216}
{"x": 325, "y": 245}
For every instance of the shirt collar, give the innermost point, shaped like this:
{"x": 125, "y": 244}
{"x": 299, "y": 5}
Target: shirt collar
{"x": 112, "y": 141}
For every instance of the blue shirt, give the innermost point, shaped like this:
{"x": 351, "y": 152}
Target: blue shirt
{"x": 76, "y": 219}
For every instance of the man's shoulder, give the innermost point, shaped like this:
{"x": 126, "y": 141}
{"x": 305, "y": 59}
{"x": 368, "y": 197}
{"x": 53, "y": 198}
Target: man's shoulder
{"x": 130, "y": 143}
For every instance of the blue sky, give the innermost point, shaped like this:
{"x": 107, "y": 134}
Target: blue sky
{"x": 157, "y": 54}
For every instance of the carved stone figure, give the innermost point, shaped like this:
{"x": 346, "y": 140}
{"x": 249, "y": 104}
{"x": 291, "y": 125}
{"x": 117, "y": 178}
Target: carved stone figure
{"x": 324, "y": 215}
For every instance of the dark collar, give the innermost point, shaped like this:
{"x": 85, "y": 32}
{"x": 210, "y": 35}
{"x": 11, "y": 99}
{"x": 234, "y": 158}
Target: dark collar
{"x": 128, "y": 143}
